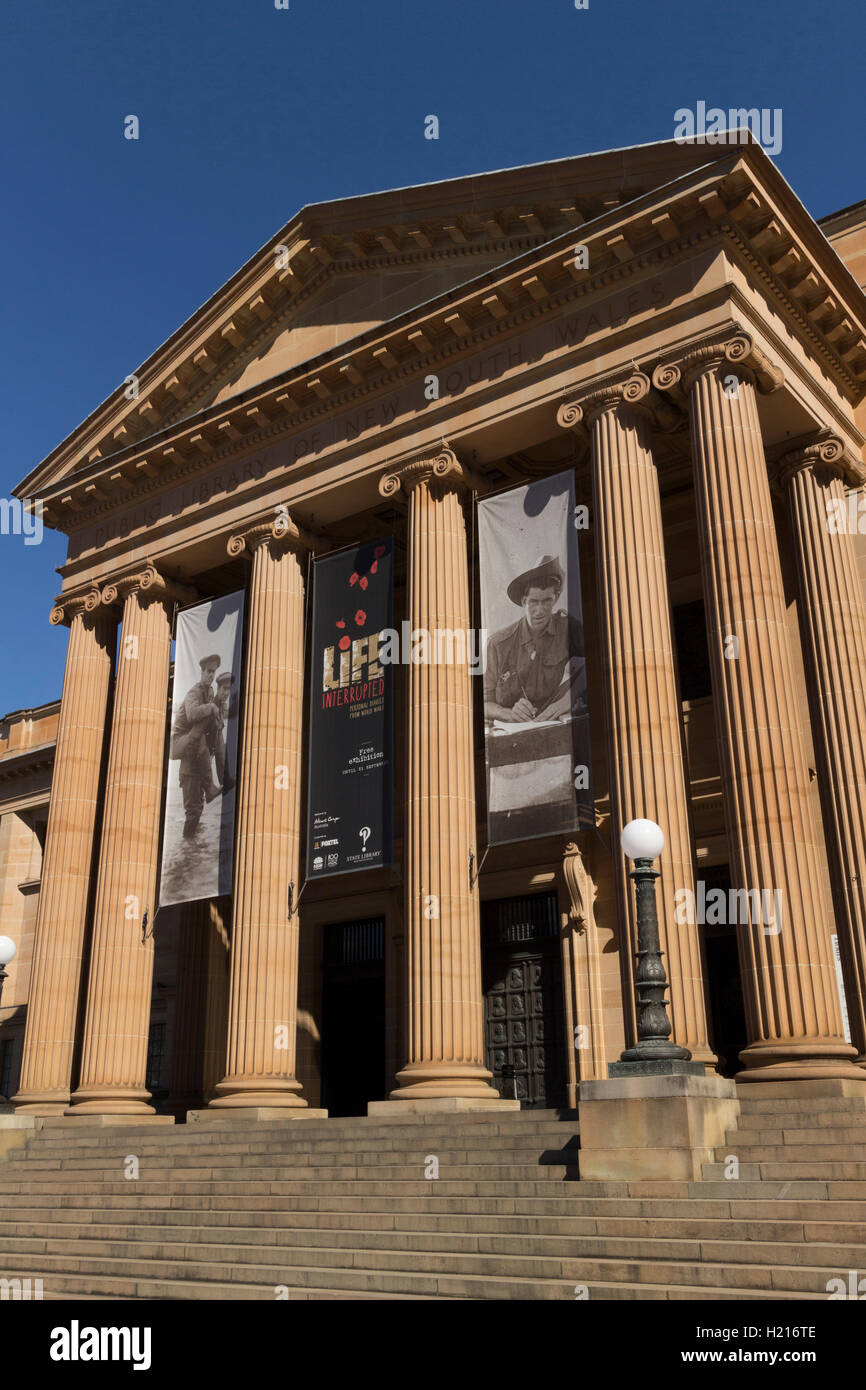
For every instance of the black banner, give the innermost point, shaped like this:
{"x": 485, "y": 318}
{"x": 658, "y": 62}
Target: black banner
{"x": 350, "y": 813}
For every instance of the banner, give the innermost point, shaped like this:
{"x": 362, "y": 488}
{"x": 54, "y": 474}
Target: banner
{"x": 199, "y": 825}
{"x": 536, "y": 729}
{"x": 351, "y": 759}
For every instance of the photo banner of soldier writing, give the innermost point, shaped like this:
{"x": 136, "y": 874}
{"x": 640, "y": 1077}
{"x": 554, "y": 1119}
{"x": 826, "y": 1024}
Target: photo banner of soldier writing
{"x": 350, "y": 808}
{"x": 199, "y": 826}
{"x": 536, "y": 729}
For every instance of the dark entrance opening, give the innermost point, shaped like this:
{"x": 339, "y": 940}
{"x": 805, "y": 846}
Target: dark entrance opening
{"x": 724, "y": 989}
{"x": 523, "y": 1013}
{"x": 353, "y": 1016}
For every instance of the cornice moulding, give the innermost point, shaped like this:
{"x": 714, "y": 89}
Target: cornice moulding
{"x": 101, "y": 486}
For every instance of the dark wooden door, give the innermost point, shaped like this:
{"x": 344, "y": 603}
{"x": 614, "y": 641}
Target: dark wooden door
{"x": 523, "y": 999}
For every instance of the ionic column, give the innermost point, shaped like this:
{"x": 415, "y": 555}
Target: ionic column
{"x": 55, "y": 982}
{"x": 789, "y": 982}
{"x": 114, "y": 1051}
{"x": 445, "y": 1004}
{"x": 645, "y": 753}
{"x": 263, "y": 982}
{"x": 833, "y": 624}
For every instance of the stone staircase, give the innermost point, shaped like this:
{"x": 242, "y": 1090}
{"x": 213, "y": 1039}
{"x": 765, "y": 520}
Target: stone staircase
{"x": 342, "y": 1209}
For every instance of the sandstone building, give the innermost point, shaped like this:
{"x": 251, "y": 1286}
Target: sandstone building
{"x": 703, "y": 374}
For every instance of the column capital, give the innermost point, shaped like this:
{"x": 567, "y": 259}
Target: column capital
{"x": 732, "y": 347}
{"x": 823, "y": 453}
{"x": 629, "y": 387}
{"x": 280, "y": 529}
{"x": 147, "y": 580}
{"x": 430, "y": 465}
{"x": 68, "y": 606}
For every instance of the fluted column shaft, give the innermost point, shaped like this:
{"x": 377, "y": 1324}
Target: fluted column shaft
{"x": 55, "y": 982}
{"x": 114, "y": 1051}
{"x": 645, "y": 753}
{"x": 263, "y": 988}
{"x": 446, "y": 1048}
{"x": 789, "y": 983}
{"x": 833, "y": 623}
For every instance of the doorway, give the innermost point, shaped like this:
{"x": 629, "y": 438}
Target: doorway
{"x": 353, "y": 1016}
{"x": 523, "y": 1014}
{"x": 724, "y": 989}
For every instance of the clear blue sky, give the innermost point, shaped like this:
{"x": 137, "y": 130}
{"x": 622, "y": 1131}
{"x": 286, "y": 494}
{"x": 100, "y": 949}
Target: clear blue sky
{"x": 248, "y": 112}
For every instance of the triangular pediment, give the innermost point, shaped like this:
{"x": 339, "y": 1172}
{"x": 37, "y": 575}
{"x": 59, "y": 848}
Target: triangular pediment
{"x": 339, "y": 269}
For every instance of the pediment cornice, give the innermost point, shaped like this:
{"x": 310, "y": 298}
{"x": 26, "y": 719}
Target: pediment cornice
{"x": 740, "y": 201}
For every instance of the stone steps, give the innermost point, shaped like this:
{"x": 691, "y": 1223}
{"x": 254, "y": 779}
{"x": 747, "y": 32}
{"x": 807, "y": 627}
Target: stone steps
{"x": 461, "y": 1162}
{"x": 795, "y": 1138}
{"x": 342, "y": 1210}
{"x": 309, "y": 1245}
{"x": 425, "y": 1272}
{"x": 322, "y": 1227}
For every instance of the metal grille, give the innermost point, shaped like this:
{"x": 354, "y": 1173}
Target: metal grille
{"x": 155, "y": 1056}
{"x": 511, "y": 920}
{"x": 351, "y": 943}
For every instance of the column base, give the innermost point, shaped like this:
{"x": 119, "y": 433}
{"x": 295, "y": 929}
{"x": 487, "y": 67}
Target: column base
{"x": 653, "y": 1128}
{"x": 810, "y": 1059}
{"x": 257, "y": 1093}
{"x": 115, "y": 1101}
{"x": 441, "y": 1081}
{"x": 40, "y": 1102}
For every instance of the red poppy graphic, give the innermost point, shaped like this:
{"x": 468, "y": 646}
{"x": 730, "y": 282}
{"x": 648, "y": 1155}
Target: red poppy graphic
{"x": 353, "y": 578}
{"x": 345, "y": 643}
{"x": 360, "y": 617}
{"x": 340, "y": 622}
{"x": 374, "y": 566}
{"x": 364, "y": 581}
{"x": 379, "y": 551}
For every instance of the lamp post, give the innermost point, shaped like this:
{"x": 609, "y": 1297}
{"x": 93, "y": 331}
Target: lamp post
{"x": 643, "y": 842}
{"x": 7, "y": 954}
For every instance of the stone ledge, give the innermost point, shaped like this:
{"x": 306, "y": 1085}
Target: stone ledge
{"x": 444, "y": 1105}
{"x": 255, "y": 1114}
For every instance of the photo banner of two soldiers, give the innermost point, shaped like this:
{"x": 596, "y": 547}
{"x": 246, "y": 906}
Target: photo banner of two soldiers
{"x": 536, "y": 728}
{"x": 350, "y": 798}
{"x": 199, "y": 824}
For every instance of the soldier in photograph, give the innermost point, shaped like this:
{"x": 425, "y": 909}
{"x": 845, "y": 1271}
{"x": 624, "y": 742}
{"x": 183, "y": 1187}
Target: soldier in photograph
{"x": 194, "y": 729}
{"x": 535, "y": 667}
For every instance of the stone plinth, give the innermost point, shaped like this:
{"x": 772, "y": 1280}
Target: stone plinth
{"x": 653, "y": 1128}
{"x": 439, "y": 1105}
{"x": 242, "y": 1115}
